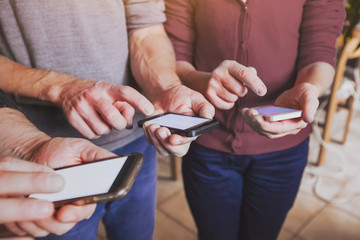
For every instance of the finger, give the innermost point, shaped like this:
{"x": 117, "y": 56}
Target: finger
{"x": 24, "y": 209}
{"x": 234, "y": 86}
{"x": 90, "y": 152}
{"x": 52, "y": 225}
{"x": 310, "y": 107}
{"x": 110, "y": 114}
{"x": 18, "y": 165}
{"x": 266, "y": 128}
{"x": 32, "y": 229}
{"x": 176, "y": 139}
{"x": 159, "y": 137}
{"x": 248, "y": 77}
{"x": 13, "y": 227}
{"x": 201, "y": 106}
{"x": 73, "y": 214}
{"x": 219, "y": 102}
{"x": 127, "y": 113}
{"x": 39, "y": 182}
{"x": 224, "y": 92}
{"x": 146, "y": 132}
{"x": 134, "y": 98}
{"x": 79, "y": 124}
{"x": 92, "y": 118}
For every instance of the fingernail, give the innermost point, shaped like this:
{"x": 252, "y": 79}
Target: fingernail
{"x": 43, "y": 208}
{"x": 162, "y": 135}
{"x": 149, "y": 110}
{"x": 261, "y": 91}
{"x": 55, "y": 182}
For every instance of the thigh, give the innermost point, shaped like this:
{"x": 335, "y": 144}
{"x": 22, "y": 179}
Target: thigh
{"x": 270, "y": 187}
{"x": 133, "y": 216}
{"x": 213, "y": 187}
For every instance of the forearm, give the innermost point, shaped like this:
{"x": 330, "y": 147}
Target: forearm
{"x": 34, "y": 83}
{"x": 20, "y": 137}
{"x": 318, "y": 74}
{"x": 192, "y": 78}
{"x": 153, "y": 60}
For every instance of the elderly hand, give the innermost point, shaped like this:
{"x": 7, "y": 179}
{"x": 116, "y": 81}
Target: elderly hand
{"x": 59, "y": 152}
{"x": 93, "y": 108}
{"x": 302, "y": 96}
{"x": 19, "y": 178}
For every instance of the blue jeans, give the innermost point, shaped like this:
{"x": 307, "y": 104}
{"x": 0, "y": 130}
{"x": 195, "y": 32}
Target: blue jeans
{"x": 131, "y": 218}
{"x": 242, "y": 197}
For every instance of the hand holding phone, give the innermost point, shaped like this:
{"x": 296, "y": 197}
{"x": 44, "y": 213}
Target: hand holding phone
{"x": 188, "y": 126}
{"x": 97, "y": 181}
{"x": 274, "y": 113}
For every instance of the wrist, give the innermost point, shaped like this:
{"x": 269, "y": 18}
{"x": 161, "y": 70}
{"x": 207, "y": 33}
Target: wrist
{"x": 22, "y": 141}
{"x": 58, "y": 85}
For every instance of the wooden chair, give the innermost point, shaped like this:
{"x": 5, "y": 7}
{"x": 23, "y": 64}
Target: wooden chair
{"x": 351, "y": 50}
{"x": 175, "y": 163}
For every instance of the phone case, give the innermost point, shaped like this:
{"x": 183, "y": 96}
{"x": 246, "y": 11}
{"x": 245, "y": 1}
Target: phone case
{"x": 120, "y": 187}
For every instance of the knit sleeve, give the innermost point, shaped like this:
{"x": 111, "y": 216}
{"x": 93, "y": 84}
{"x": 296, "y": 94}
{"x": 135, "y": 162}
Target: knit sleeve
{"x": 322, "y": 23}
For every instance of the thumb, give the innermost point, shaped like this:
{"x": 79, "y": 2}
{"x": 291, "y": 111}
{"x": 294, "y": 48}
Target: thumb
{"x": 202, "y": 107}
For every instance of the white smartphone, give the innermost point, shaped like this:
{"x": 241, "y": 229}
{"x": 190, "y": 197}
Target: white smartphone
{"x": 188, "y": 126}
{"x": 274, "y": 113}
{"x": 97, "y": 181}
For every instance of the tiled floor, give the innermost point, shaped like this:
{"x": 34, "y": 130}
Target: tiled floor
{"x": 310, "y": 218}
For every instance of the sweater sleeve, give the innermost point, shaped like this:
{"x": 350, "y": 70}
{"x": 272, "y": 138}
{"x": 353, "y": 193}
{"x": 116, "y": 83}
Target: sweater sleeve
{"x": 322, "y": 23}
{"x": 144, "y": 13}
{"x": 5, "y": 101}
{"x": 180, "y": 27}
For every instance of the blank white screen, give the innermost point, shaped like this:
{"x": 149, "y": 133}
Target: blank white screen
{"x": 86, "y": 180}
{"x": 178, "y": 121}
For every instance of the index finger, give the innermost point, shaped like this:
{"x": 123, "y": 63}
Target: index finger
{"x": 18, "y": 165}
{"x": 24, "y": 183}
{"x": 248, "y": 77}
{"x": 134, "y": 98}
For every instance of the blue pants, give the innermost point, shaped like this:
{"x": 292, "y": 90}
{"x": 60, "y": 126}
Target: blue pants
{"x": 242, "y": 197}
{"x": 131, "y": 218}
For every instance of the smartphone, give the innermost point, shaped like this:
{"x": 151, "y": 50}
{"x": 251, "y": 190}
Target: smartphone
{"x": 274, "y": 113}
{"x": 188, "y": 126}
{"x": 97, "y": 181}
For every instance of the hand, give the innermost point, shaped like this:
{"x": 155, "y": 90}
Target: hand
{"x": 229, "y": 81}
{"x": 302, "y": 96}
{"x": 93, "y": 108}
{"x": 19, "y": 178}
{"x": 58, "y": 152}
{"x": 178, "y": 99}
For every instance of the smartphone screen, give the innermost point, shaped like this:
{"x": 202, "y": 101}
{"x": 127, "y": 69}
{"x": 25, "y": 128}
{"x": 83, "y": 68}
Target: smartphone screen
{"x": 86, "y": 180}
{"x": 177, "y": 121}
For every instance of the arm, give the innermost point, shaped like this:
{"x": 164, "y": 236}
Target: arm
{"x": 24, "y": 140}
{"x": 312, "y": 81}
{"x": 153, "y": 64}
{"x": 321, "y": 25}
{"x": 93, "y": 108}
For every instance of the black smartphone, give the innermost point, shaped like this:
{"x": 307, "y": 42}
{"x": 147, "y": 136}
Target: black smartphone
{"x": 188, "y": 126}
{"x": 97, "y": 181}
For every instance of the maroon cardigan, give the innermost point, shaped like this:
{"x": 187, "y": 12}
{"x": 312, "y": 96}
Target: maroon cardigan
{"x": 277, "y": 37}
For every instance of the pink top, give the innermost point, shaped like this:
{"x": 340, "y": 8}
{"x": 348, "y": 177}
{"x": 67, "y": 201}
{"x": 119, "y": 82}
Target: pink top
{"x": 278, "y": 38}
